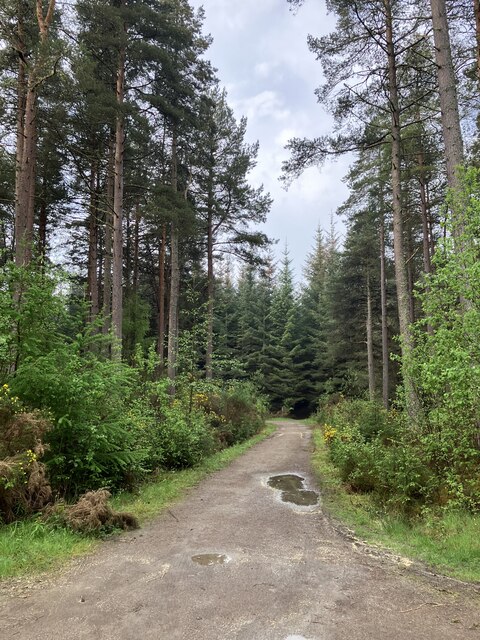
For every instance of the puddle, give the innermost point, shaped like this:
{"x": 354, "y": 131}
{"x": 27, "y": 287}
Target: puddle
{"x": 209, "y": 559}
{"x": 292, "y": 490}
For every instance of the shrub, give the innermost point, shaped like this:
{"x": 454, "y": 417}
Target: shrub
{"x": 92, "y": 442}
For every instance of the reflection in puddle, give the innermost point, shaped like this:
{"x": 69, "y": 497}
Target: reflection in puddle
{"x": 209, "y": 559}
{"x": 292, "y": 490}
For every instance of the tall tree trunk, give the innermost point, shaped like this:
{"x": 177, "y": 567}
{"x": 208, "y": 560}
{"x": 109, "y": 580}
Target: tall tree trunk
{"x": 117, "y": 265}
{"x": 447, "y": 85}
{"x": 26, "y": 178}
{"x": 26, "y": 153}
{"x": 161, "y": 298}
{"x": 174, "y": 282}
{"x": 370, "y": 358}
{"x": 427, "y": 263}
{"x": 412, "y": 402}
{"x": 92, "y": 277}
{"x": 107, "y": 268}
{"x": 42, "y": 225}
{"x": 210, "y": 281}
{"x": 410, "y": 274}
{"x": 383, "y": 298}
{"x": 476, "y": 10}
{"x": 21, "y": 108}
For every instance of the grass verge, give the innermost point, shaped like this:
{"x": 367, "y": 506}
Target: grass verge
{"x": 449, "y": 542}
{"x": 30, "y": 547}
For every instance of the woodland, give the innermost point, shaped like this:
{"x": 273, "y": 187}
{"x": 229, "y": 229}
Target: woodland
{"x": 144, "y": 322}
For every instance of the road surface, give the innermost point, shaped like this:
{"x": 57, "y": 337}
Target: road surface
{"x": 236, "y": 561}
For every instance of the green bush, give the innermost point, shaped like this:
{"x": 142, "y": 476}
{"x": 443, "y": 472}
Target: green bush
{"x": 93, "y": 442}
{"x": 236, "y": 411}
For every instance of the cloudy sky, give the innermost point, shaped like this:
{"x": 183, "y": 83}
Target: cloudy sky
{"x": 262, "y": 58}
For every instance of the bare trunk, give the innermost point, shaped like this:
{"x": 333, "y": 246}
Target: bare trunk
{"x": 26, "y": 179}
{"x": 370, "y": 359}
{"x": 412, "y": 403}
{"x": 427, "y": 263}
{"x": 26, "y": 153}
{"x": 210, "y": 286}
{"x": 42, "y": 226}
{"x": 476, "y": 9}
{"x": 117, "y": 266}
{"x": 410, "y": 276}
{"x": 383, "y": 296}
{"x": 161, "y": 298}
{"x": 107, "y": 269}
{"x": 92, "y": 278}
{"x": 447, "y": 85}
{"x": 21, "y": 107}
{"x": 174, "y": 282}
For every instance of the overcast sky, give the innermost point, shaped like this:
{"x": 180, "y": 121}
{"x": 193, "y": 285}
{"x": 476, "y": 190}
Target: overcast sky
{"x": 260, "y": 51}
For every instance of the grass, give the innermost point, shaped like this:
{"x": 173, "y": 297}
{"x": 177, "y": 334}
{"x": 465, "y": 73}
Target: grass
{"x": 30, "y": 547}
{"x": 448, "y": 541}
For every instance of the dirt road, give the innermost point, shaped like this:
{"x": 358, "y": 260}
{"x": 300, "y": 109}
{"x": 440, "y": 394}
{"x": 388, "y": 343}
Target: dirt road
{"x": 263, "y": 569}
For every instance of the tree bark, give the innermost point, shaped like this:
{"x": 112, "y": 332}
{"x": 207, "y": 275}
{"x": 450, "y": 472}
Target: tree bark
{"x": 28, "y": 81}
{"x": 210, "y": 281}
{"x": 370, "y": 358}
{"x": 412, "y": 402}
{"x": 383, "y": 298}
{"x": 174, "y": 283}
{"x": 447, "y": 85}
{"x": 161, "y": 298}
{"x": 107, "y": 269}
{"x": 92, "y": 274}
{"x": 117, "y": 265}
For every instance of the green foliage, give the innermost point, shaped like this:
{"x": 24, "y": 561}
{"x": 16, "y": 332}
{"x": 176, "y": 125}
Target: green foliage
{"x": 446, "y": 359}
{"x": 92, "y": 442}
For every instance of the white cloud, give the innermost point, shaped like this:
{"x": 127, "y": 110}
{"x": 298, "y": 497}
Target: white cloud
{"x": 261, "y": 53}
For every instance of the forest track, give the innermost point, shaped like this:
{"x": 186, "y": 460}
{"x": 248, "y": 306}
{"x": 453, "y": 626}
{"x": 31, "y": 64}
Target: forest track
{"x": 268, "y": 570}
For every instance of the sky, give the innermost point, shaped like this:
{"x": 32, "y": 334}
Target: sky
{"x": 260, "y": 51}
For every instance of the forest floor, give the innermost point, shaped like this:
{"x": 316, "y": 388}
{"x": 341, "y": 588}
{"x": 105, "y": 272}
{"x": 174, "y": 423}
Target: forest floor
{"x": 234, "y": 560}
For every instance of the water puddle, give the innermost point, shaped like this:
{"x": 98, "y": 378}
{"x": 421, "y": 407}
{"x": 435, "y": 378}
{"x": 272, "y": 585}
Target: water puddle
{"x": 209, "y": 559}
{"x": 293, "y": 491}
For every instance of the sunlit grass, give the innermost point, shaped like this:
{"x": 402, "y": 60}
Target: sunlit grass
{"x": 31, "y": 546}
{"x": 448, "y": 541}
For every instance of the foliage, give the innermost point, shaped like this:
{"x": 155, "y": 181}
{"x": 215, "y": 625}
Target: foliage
{"x": 93, "y": 442}
{"x": 446, "y": 360}
{"x": 24, "y": 488}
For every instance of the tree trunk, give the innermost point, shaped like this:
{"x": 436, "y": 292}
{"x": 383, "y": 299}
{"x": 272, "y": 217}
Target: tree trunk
{"x": 476, "y": 10}
{"x": 107, "y": 269}
{"x": 412, "y": 403}
{"x": 210, "y": 282}
{"x": 447, "y": 85}
{"x": 383, "y": 297}
{"x": 370, "y": 359}
{"x": 26, "y": 152}
{"x": 26, "y": 179}
{"x": 117, "y": 265}
{"x": 21, "y": 108}
{"x": 161, "y": 298}
{"x": 427, "y": 263}
{"x": 92, "y": 277}
{"x": 174, "y": 283}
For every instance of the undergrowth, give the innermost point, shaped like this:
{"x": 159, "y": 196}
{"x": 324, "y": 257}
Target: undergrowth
{"x": 448, "y": 540}
{"x": 31, "y": 546}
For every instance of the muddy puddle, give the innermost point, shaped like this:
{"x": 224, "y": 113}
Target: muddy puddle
{"x": 293, "y": 491}
{"x": 209, "y": 559}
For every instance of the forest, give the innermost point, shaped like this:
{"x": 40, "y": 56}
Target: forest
{"x": 145, "y": 322}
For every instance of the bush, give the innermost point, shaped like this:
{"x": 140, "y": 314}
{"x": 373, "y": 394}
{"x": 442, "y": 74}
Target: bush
{"x": 236, "y": 412}
{"x": 93, "y": 442}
